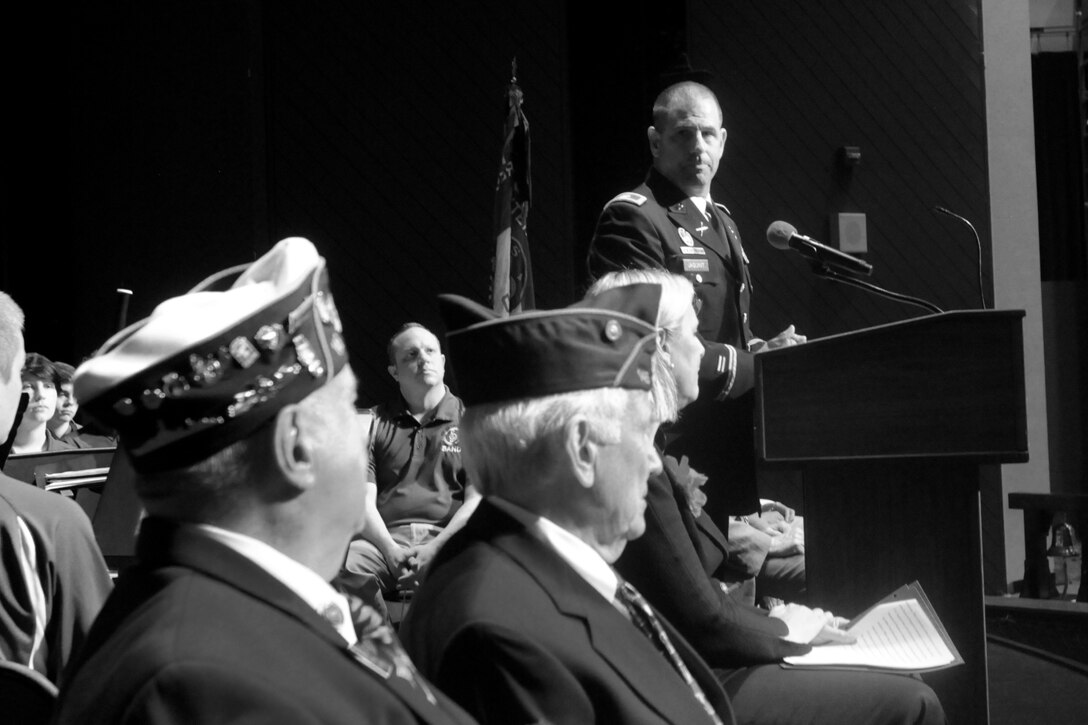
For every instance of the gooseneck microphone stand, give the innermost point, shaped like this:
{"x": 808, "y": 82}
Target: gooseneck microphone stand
{"x": 825, "y": 271}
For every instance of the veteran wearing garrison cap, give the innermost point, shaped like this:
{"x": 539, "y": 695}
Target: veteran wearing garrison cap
{"x": 236, "y": 408}
{"x": 522, "y": 618}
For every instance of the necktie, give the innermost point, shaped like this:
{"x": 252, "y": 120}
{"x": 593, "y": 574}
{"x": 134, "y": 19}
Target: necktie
{"x": 379, "y": 650}
{"x": 718, "y": 227}
{"x": 642, "y": 615}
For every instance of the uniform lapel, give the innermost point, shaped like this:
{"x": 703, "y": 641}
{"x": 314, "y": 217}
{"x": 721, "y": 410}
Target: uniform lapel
{"x": 701, "y": 529}
{"x": 734, "y": 263}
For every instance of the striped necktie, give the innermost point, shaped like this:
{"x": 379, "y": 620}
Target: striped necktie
{"x": 642, "y": 615}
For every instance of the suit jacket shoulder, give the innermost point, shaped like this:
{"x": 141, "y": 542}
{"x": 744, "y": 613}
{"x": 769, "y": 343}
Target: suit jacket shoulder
{"x": 505, "y": 626}
{"x": 197, "y": 633}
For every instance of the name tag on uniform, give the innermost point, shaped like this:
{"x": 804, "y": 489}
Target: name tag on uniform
{"x": 696, "y": 265}
{"x": 693, "y": 250}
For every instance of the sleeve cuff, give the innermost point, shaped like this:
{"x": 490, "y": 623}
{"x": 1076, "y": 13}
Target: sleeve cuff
{"x": 726, "y": 366}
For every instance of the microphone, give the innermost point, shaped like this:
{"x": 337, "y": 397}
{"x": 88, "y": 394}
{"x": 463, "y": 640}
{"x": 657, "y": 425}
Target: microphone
{"x": 978, "y": 243}
{"x": 122, "y": 307}
{"x": 783, "y": 235}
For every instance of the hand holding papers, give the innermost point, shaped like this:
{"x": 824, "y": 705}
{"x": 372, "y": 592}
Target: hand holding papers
{"x": 901, "y": 633}
{"x": 811, "y": 626}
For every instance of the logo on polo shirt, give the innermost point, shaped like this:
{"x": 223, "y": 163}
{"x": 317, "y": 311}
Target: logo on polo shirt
{"x": 451, "y": 440}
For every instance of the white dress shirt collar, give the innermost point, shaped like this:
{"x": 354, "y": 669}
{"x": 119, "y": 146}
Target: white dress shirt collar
{"x": 300, "y": 579}
{"x": 701, "y": 203}
{"x": 577, "y": 553}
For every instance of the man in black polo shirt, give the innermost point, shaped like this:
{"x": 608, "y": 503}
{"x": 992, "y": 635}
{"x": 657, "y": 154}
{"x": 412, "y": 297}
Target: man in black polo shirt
{"x": 416, "y": 474}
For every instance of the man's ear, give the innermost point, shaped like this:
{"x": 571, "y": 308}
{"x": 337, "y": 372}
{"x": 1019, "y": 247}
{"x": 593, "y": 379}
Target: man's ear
{"x": 293, "y": 444}
{"x": 582, "y": 451}
{"x": 655, "y": 141}
{"x": 393, "y": 371}
{"x": 725, "y": 135}
{"x": 663, "y": 339}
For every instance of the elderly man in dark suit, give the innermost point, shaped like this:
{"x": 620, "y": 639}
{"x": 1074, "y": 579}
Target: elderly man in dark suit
{"x": 522, "y": 618}
{"x": 236, "y": 408}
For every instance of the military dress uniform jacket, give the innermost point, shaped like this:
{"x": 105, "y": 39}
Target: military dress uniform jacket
{"x": 674, "y": 564}
{"x": 506, "y": 627}
{"x": 197, "y": 633}
{"x": 657, "y": 226}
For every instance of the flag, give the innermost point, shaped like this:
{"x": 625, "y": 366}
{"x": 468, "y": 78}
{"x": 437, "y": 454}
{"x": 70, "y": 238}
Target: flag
{"x": 512, "y": 275}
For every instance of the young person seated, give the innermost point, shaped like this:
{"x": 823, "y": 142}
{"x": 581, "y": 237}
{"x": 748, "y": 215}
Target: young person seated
{"x": 63, "y": 425}
{"x": 39, "y": 378}
{"x": 53, "y": 579}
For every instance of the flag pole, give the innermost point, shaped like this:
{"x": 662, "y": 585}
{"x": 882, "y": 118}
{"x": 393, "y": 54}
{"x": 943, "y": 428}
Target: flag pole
{"x": 512, "y": 282}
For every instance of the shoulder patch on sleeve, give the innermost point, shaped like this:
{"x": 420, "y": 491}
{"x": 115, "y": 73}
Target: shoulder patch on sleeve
{"x": 629, "y": 197}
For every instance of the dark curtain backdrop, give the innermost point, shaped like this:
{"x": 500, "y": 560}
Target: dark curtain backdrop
{"x": 1059, "y": 169}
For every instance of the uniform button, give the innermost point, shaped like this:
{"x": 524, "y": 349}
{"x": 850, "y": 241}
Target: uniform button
{"x": 745, "y": 316}
{"x": 699, "y": 278}
{"x": 742, "y": 286}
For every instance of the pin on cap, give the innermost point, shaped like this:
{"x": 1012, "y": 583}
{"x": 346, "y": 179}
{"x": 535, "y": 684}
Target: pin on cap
{"x": 207, "y": 368}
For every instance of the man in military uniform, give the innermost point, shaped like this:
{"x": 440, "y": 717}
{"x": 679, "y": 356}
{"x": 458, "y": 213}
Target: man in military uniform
{"x": 236, "y": 409}
{"x": 671, "y": 222}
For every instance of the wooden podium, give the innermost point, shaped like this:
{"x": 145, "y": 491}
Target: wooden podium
{"x": 889, "y": 427}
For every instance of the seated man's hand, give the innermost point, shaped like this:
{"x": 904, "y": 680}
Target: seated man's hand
{"x": 419, "y": 557}
{"x": 811, "y": 626}
{"x": 409, "y": 581}
{"x": 396, "y": 557}
{"x": 790, "y": 543}
{"x": 786, "y": 338}
{"x": 834, "y": 632}
{"x": 771, "y": 507}
{"x": 772, "y": 524}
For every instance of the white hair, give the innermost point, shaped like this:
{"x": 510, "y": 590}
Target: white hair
{"x": 677, "y": 294}
{"x": 519, "y": 444}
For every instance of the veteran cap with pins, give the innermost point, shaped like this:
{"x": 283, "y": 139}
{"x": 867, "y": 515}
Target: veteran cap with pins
{"x": 206, "y": 369}
{"x": 604, "y": 342}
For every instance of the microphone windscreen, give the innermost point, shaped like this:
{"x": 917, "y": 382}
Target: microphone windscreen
{"x": 779, "y": 233}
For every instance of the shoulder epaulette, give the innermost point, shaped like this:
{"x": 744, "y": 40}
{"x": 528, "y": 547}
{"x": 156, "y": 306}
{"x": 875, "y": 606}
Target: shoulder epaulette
{"x": 630, "y": 197}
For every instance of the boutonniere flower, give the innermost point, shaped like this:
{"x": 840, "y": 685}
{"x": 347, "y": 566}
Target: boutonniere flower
{"x": 691, "y": 483}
